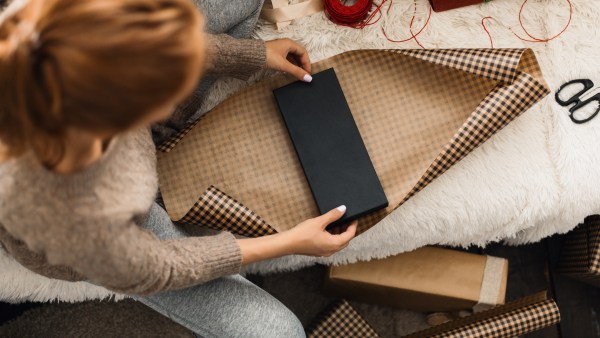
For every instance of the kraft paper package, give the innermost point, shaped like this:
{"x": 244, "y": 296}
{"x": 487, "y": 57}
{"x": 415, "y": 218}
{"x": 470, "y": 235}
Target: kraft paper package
{"x": 418, "y": 111}
{"x": 580, "y": 255}
{"x": 514, "y": 319}
{"x": 429, "y": 279}
{"x": 282, "y": 13}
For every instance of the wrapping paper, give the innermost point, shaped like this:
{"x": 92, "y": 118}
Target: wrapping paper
{"x": 340, "y": 319}
{"x": 580, "y": 255}
{"x": 418, "y": 111}
{"x": 514, "y": 319}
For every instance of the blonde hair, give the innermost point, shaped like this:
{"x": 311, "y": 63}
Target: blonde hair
{"x": 93, "y": 64}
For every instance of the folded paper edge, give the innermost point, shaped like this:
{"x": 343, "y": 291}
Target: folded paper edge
{"x": 480, "y": 120}
{"x": 169, "y": 144}
{"x": 501, "y": 64}
{"x": 217, "y": 210}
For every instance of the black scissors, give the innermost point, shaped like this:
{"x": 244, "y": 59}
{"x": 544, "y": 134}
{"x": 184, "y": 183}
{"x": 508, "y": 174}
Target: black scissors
{"x": 576, "y": 99}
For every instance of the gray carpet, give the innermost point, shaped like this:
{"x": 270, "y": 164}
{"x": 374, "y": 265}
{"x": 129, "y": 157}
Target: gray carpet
{"x": 300, "y": 291}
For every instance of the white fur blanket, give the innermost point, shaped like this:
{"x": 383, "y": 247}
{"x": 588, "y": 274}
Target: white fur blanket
{"x": 534, "y": 178}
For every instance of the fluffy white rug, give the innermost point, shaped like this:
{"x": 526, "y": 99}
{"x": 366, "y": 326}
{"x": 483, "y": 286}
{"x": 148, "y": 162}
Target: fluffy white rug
{"x": 534, "y": 178}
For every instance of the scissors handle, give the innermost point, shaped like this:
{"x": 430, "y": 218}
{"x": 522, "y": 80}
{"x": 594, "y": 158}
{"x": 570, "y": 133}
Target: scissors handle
{"x": 580, "y": 104}
{"x": 587, "y": 85}
{"x": 575, "y": 99}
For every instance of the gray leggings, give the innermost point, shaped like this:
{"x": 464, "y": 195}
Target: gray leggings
{"x": 230, "y": 306}
{"x": 226, "y": 307}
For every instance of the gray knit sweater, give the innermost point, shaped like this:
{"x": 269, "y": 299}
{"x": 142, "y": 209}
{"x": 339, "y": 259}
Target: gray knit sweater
{"x": 85, "y": 226}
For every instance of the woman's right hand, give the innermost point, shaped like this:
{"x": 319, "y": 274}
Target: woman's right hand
{"x": 311, "y": 237}
{"x": 307, "y": 238}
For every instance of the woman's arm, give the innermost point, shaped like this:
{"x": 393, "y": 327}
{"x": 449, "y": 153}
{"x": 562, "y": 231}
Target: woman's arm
{"x": 240, "y": 58}
{"x": 307, "y": 238}
{"x": 126, "y": 258}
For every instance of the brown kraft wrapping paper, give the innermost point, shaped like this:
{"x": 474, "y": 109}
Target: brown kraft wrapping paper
{"x": 429, "y": 279}
{"x": 418, "y": 111}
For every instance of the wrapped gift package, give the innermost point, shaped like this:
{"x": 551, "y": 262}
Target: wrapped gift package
{"x": 428, "y": 279}
{"x": 340, "y": 319}
{"x": 444, "y": 5}
{"x": 514, "y": 319}
{"x": 282, "y": 12}
{"x": 418, "y": 112}
{"x": 580, "y": 255}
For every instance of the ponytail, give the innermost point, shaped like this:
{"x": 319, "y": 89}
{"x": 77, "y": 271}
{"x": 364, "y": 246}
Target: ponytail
{"x": 98, "y": 65}
{"x": 21, "y": 101}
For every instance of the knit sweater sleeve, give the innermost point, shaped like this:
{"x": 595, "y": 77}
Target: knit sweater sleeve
{"x": 239, "y": 58}
{"x": 128, "y": 259}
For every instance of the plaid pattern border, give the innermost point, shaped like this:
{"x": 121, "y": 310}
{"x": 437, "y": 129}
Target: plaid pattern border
{"x": 497, "y": 64}
{"x": 513, "y": 324}
{"x": 511, "y": 320}
{"x": 500, "y": 107}
{"x": 169, "y": 144}
{"x": 216, "y": 210}
{"x": 580, "y": 256}
{"x": 341, "y": 320}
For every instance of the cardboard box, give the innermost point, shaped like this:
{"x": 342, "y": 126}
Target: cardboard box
{"x": 427, "y": 279}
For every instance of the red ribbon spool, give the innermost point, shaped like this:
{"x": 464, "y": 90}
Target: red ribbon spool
{"x": 348, "y": 15}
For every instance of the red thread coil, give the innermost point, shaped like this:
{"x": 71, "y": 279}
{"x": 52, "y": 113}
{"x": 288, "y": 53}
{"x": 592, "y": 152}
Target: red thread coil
{"x": 351, "y": 15}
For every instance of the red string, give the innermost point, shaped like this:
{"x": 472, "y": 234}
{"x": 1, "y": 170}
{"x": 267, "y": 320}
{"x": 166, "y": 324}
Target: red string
{"x": 533, "y": 39}
{"x": 486, "y": 30}
{"x": 357, "y": 16}
{"x": 412, "y": 20}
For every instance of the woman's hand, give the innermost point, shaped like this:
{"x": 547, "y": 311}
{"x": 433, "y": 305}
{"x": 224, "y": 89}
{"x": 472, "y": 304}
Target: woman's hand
{"x": 307, "y": 238}
{"x": 289, "y": 57}
{"x": 310, "y": 237}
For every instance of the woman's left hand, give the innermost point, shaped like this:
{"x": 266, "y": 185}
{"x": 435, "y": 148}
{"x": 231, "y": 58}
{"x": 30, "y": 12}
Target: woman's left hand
{"x": 288, "y": 56}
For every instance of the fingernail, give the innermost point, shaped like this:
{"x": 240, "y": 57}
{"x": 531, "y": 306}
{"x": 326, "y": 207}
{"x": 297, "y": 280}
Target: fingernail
{"x": 342, "y": 208}
{"x": 307, "y": 78}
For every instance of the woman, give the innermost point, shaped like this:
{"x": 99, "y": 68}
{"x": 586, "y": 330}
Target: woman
{"x": 80, "y": 84}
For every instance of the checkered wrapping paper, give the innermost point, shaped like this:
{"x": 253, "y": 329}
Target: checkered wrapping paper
{"x": 218, "y": 211}
{"x": 341, "y": 320}
{"x": 580, "y": 256}
{"x": 513, "y": 324}
{"x": 419, "y": 112}
{"x": 511, "y": 320}
{"x": 172, "y": 142}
